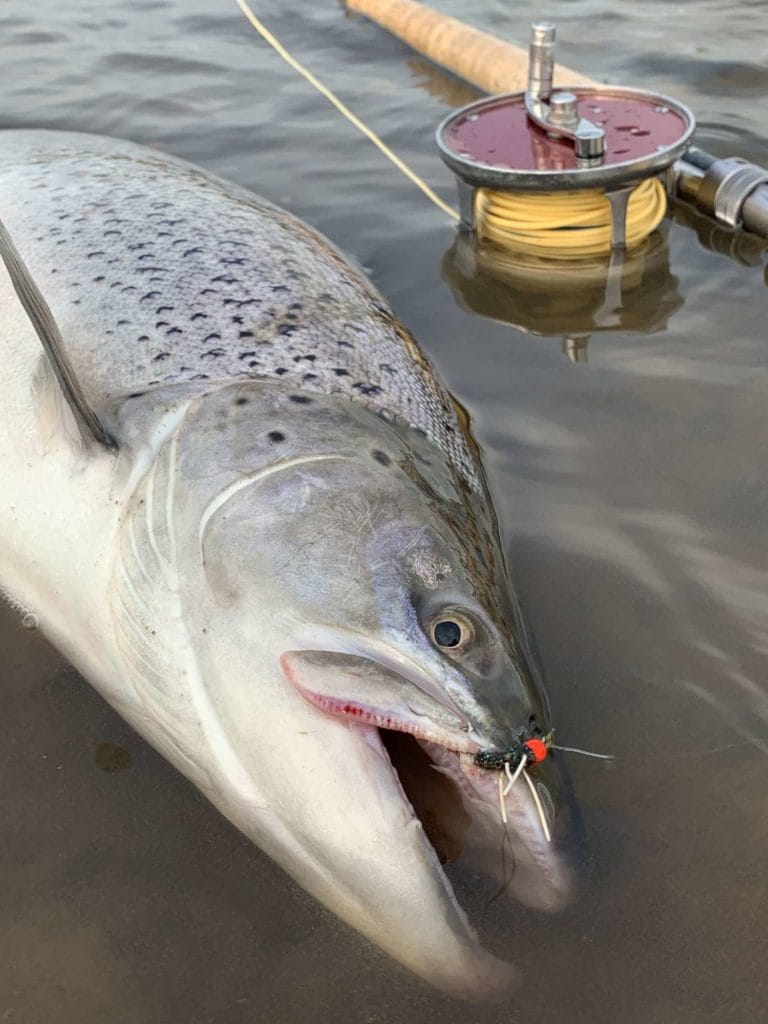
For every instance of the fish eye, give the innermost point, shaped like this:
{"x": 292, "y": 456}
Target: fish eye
{"x": 452, "y": 631}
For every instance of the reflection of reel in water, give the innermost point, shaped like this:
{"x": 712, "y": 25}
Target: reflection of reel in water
{"x": 626, "y": 291}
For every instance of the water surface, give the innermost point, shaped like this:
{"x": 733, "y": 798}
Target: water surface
{"x": 631, "y": 482}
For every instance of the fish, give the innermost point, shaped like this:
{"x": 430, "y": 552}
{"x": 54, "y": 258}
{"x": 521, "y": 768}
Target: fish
{"x": 276, "y": 556}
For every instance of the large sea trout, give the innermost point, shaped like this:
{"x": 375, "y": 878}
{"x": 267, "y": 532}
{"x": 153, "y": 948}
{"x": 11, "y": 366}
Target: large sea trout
{"x": 287, "y": 556}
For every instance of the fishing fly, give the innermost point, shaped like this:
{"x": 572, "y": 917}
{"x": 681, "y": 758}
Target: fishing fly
{"x": 512, "y": 763}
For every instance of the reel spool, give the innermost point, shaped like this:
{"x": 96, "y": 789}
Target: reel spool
{"x": 564, "y": 174}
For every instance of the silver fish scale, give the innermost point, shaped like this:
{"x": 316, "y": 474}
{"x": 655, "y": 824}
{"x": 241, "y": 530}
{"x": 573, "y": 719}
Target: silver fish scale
{"x": 159, "y": 274}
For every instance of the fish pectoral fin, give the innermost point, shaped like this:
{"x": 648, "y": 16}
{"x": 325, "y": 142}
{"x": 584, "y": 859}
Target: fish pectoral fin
{"x": 47, "y": 330}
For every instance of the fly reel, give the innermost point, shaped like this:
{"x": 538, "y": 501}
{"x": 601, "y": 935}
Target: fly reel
{"x": 564, "y": 174}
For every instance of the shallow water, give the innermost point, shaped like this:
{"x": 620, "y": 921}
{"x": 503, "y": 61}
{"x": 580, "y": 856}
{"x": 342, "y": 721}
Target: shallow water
{"x": 632, "y": 487}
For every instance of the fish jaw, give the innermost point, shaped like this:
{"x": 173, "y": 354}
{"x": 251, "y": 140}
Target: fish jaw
{"x": 365, "y": 692}
{"x": 541, "y": 878}
{"x": 325, "y": 802}
{"x": 354, "y": 687}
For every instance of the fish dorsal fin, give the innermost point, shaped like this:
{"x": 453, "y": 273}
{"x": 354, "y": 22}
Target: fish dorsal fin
{"x": 47, "y": 330}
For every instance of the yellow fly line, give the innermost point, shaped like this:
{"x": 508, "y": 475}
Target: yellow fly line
{"x": 563, "y": 225}
{"x": 343, "y": 109}
{"x": 566, "y": 225}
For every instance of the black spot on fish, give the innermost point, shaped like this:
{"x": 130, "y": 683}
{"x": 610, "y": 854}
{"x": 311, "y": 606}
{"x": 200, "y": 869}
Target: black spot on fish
{"x": 199, "y": 316}
{"x": 143, "y": 337}
{"x": 253, "y": 362}
{"x": 281, "y": 370}
{"x": 122, "y": 323}
{"x": 136, "y": 394}
{"x": 162, "y": 323}
{"x": 309, "y": 376}
{"x": 381, "y": 457}
{"x": 241, "y": 401}
{"x": 280, "y": 288}
{"x": 344, "y": 344}
{"x": 286, "y": 329}
{"x": 367, "y": 389}
{"x": 300, "y": 399}
{"x": 237, "y": 320}
{"x": 175, "y": 330}
{"x": 212, "y": 337}
{"x": 276, "y": 435}
{"x": 90, "y": 255}
{"x": 160, "y": 356}
{"x": 245, "y": 334}
{"x": 163, "y": 309}
{"x": 246, "y": 355}
{"x": 340, "y": 371}
{"x": 99, "y": 278}
{"x": 209, "y": 291}
{"x": 215, "y": 353}
{"x": 295, "y": 305}
{"x": 192, "y": 252}
{"x": 149, "y": 295}
{"x": 309, "y": 358}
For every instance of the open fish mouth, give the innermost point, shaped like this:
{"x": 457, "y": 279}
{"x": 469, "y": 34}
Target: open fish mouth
{"x": 463, "y": 808}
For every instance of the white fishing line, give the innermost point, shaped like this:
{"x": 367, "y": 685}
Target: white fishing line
{"x": 586, "y": 753}
{"x": 539, "y": 808}
{"x": 513, "y": 778}
{"x": 502, "y": 805}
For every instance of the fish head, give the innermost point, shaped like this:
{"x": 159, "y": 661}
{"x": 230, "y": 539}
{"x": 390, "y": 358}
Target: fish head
{"x": 339, "y": 587}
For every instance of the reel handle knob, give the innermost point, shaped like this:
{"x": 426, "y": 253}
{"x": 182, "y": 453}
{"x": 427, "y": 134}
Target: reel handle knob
{"x": 557, "y": 114}
{"x": 541, "y": 59}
